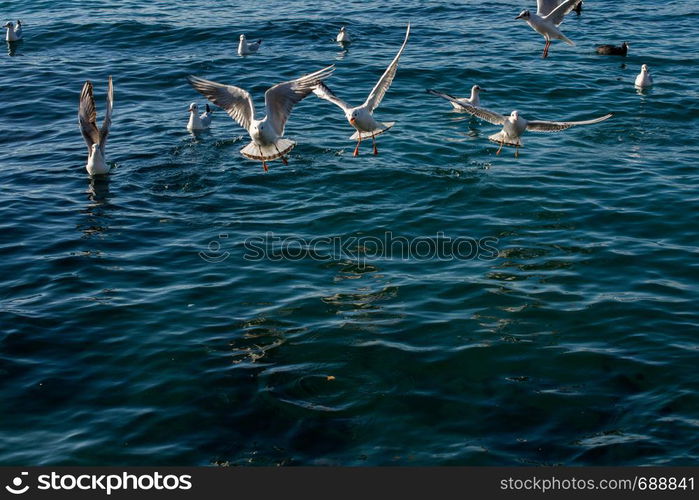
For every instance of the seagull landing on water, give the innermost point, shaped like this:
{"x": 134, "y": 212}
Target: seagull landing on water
{"x": 13, "y": 33}
{"x": 245, "y": 48}
{"x": 361, "y": 117}
{"x": 644, "y": 80}
{"x": 514, "y": 126}
{"x": 197, "y": 122}
{"x": 96, "y": 139}
{"x": 549, "y": 15}
{"x": 267, "y": 143}
{"x": 343, "y": 36}
{"x": 474, "y": 100}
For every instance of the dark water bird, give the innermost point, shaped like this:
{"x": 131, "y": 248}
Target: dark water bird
{"x": 578, "y": 8}
{"x": 613, "y": 50}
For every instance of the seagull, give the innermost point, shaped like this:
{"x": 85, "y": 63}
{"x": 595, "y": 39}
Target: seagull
{"x": 549, "y": 15}
{"x": 613, "y": 50}
{"x": 361, "y": 117}
{"x": 267, "y": 143}
{"x": 245, "y": 48}
{"x": 474, "y": 100}
{"x": 644, "y": 79}
{"x": 343, "y": 36}
{"x": 514, "y": 126}
{"x": 96, "y": 139}
{"x": 13, "y": 33}
{"x": 197, "y": 122}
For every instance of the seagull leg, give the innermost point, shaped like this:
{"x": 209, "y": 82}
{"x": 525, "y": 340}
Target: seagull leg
{"x": 356, "y": 150}
{"x": 546, "y": 49}
{"x": 516, "y": 151}
{"x": 373, "y": 140}
{"x": 502, "y": 143}
{"x": 264, "y": 166}
{"x": 284, "y": 161}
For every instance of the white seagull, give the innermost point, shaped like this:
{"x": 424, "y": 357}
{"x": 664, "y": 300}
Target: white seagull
{"x": 361, "y": 117}
{"x": 13, "y": 33}
{"x": 197, "y": 122}
{"x": 245, "y": 48}
{"x": 267, "y": 143}
{"x": 514, "y": 126}
{"x": 644, "y": 79}
{"x": 549, "y": 15}
{"x": 96, "y": 139}
{"x": 474, "y": 100}
{"x": 343, "y": 36}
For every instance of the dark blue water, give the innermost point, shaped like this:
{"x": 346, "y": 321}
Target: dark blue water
{"x": 574, "y": 342}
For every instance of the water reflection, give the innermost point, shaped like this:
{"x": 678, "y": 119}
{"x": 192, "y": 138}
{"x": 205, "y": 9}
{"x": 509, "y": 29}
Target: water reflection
{"x": 12, "y": 48}
{"x": 97, "y": 211}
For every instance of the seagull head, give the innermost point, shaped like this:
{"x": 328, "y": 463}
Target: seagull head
{"x": 515, "y": 115}
{"x": 9, "y": 25}
{"x": 625, "y": 45}
{"x": 525, "y": 14}
{"x": 644, "y": 68}
{"x": 193, "y": 107}
{"x": 242, "y": 37}
{"x": 95, "y": 148}
{"x": 343, "y": 29}
{"x": 477, "y": 88}
{"x": 353, "y": 117}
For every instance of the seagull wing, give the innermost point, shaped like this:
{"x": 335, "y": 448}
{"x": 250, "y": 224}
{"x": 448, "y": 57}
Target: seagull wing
{"x": 104, "y": 131}
{"x": 544, "y": 126}
{"x": 233, "y": 100}
{"x": 372, "y": 102}
{"x": 324, "y": 92}
{"x": 280, "y": 99}
{"x": 87, "y": 116}
{"x": 556, "y": 15}
{"x": 482, "y": 113}
{"x": 545, "y": 7}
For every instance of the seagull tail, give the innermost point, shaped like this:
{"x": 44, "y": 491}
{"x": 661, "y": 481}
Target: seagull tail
{"x": 567, "y": 40}
{"x": 384, "y": 127}
{"x": 501, "y": 138}
{"x": 268, "y": 152}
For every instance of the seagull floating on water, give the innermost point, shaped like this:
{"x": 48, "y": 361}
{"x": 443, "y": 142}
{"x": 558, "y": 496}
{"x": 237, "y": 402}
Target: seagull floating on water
{"x": 267, "y": 143}
{"x": 245, "y": 48}
{"x": 13, "y": 33}
{"x": 613, "y": 50}
{"x": 96, "y": 139}
{"x": 197, "y": 122}
{"x": 549, "y": 15}
{"x": 474, "y": 100}
{"x": 514, "y": 126}
{"x": 343, "y": 36}
{"x": 361, "y": 117}
{"x": 644, "y": 79}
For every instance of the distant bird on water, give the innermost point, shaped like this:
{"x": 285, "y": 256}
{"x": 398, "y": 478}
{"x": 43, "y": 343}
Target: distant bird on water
{"x": 549, "y": 15}
{"x": 361, "y": 117}
{"x": 267, "y": 142}
{"x": 514, "y": 126}
{"x": 343, "y": 36}
{"x": 13, "y": 33}
{"x": 644, "y": 80}
{"x": 96, "y": 139}
{"x": 245, "y": 48}
{"x": 474, "y": 100}
{"x": 197, "y": 122}
{"x": 613, "y": 50}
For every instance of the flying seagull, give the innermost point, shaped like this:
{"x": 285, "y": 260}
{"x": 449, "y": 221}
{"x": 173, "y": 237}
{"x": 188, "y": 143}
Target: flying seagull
{"x": 267, "y": 143}
{"x": 96, "y": 139}
{"x": 549, "y": 15}
{"x": 514, "y": 126}
{"x": 361, "y": 117}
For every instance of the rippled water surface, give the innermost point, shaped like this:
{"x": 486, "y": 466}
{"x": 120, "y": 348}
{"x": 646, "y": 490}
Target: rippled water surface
{"x": 576, "y": 344}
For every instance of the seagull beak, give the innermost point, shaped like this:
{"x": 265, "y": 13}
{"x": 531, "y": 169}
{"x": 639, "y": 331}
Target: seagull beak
{"x": 484, "y": 90}
{"x": 518, "y": 17}
{"x": 353, "y": 121}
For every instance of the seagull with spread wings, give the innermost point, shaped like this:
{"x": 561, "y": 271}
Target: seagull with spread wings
{"x": 96, "y": 139}
{"x": 549, "y": 15}
{"x": 361, "y": 117}
{"x": 514, "y": 126}
{"x": 267, "y": 142}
